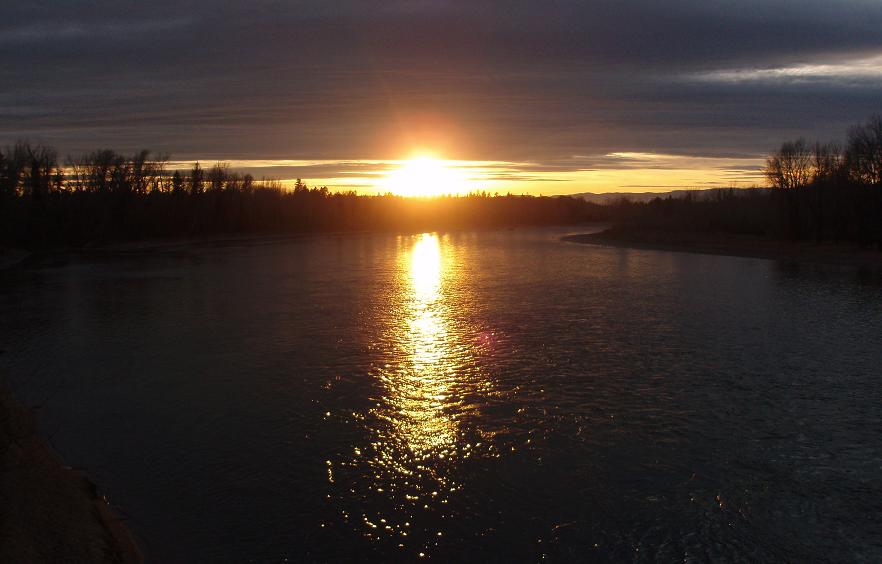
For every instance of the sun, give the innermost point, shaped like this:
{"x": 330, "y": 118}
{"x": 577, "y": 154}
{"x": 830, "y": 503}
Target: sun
{"x": 425, "y": 176}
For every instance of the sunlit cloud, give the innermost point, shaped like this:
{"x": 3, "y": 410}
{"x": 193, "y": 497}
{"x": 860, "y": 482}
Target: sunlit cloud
{"x": 864, "y": 68}
{"x": 616, "y": 172}
{"x": 539, "y": 99}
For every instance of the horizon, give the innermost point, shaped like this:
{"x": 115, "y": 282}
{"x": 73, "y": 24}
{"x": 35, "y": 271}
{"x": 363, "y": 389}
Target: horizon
{"x": 378, "y": 176}
{"x": 449, "y": 280}
{"x": 533, "y": 100}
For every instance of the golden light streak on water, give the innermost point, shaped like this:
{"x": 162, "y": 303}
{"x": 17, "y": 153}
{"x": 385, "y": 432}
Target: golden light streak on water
{"x": 421, "y": 393}
{"x": 424, "y": 422}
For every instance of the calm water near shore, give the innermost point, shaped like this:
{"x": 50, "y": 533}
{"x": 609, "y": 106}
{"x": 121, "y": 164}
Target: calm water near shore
{"x": 499, "y": 396}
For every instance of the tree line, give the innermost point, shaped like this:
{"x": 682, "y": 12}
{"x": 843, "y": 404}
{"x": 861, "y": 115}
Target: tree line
{"x": 106, "y": 196}
{"x": 830, "y": 191}
{"x": 818, "y": 191}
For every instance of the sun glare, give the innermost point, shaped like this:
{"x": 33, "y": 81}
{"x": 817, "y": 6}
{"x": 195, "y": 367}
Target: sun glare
{"x": 426, "y": 176}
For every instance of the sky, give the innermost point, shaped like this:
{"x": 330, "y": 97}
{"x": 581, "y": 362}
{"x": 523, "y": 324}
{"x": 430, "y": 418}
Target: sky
{"x": 548, "y": 97}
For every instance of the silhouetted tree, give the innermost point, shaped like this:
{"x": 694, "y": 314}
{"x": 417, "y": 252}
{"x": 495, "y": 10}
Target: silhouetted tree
{"x": 4, "y": 175}
{"x": 864, "y": 152}
{"x": 177, "y": 183}
{"x": 791, "y": 166}
{"x": 103, "y": 195}
{"x": 828, "y": 161}
{"x": 217, "y": 176}
{"x": 16, "y": 162}
{"x": 196, "y": 179}
{"x": 40, "y": 170}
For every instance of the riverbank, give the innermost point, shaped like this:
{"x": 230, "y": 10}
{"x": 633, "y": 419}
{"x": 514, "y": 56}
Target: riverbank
{"x": 847, "y": 255}
{"x": 49, "y": 512}
{"x": 11, "y": 257}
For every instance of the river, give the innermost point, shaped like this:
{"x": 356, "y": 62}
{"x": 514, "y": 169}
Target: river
{"x": 493, "y": 396}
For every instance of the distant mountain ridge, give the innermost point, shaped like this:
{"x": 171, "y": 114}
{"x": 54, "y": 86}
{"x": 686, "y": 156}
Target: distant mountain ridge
{"x": 701, "y": 194}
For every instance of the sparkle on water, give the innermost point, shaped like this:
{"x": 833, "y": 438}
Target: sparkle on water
{"x": 470, "y": 396}
{"x": 416, "y": 439}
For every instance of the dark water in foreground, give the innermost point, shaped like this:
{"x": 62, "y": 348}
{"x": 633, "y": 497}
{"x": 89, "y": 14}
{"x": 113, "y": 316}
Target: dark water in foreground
{"x": 492, "y": 396}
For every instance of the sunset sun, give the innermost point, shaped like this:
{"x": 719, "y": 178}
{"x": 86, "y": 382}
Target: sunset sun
{"x": 425, "y": 176}
{"x": 440, "y": 281}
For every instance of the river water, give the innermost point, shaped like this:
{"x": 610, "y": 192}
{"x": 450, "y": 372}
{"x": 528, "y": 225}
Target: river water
{"x": 496, "y": 396}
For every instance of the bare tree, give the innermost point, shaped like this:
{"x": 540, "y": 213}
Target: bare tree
{"x": 864, "y": 153}
{"x": 159, "y": 180}
{"x": 16, "y": 165}
{"x": 4, "y": 175}
{"x": 99, "y": 171}
{"x": 217, "y": 176}
{"x": 827, "y": 161}
{"x": 136, "y": 172}
{"x": 39, "y": 171}
{"x": 791, "y": 166}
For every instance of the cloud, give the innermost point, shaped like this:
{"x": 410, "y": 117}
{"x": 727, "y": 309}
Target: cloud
{"x": 517, "y": 81}
{"x": 67, "y": 31}
{"x": 575, "y": 174}
{"x": 863, "y": 69}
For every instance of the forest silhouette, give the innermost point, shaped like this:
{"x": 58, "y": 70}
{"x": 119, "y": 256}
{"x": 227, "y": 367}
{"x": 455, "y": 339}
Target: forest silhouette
{"x": 105, "y": 196}
{"x": 819, "y": 192}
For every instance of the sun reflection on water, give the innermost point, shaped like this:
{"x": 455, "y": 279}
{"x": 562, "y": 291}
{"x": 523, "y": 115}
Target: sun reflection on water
{"x": 420, "y": 393}
{"x": 423, "y": 424}
{"x": 416, "y": 404}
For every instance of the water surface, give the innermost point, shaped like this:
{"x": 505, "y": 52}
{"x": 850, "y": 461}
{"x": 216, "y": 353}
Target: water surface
{"x": 498, "y": 396}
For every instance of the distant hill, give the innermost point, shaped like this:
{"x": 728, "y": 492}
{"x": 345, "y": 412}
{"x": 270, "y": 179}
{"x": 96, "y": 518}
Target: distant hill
{"x": 608, "y": 197}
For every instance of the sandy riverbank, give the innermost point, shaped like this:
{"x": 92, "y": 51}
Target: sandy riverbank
{"x": 736, "y": 245}
{"x": 48, "y": 512}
